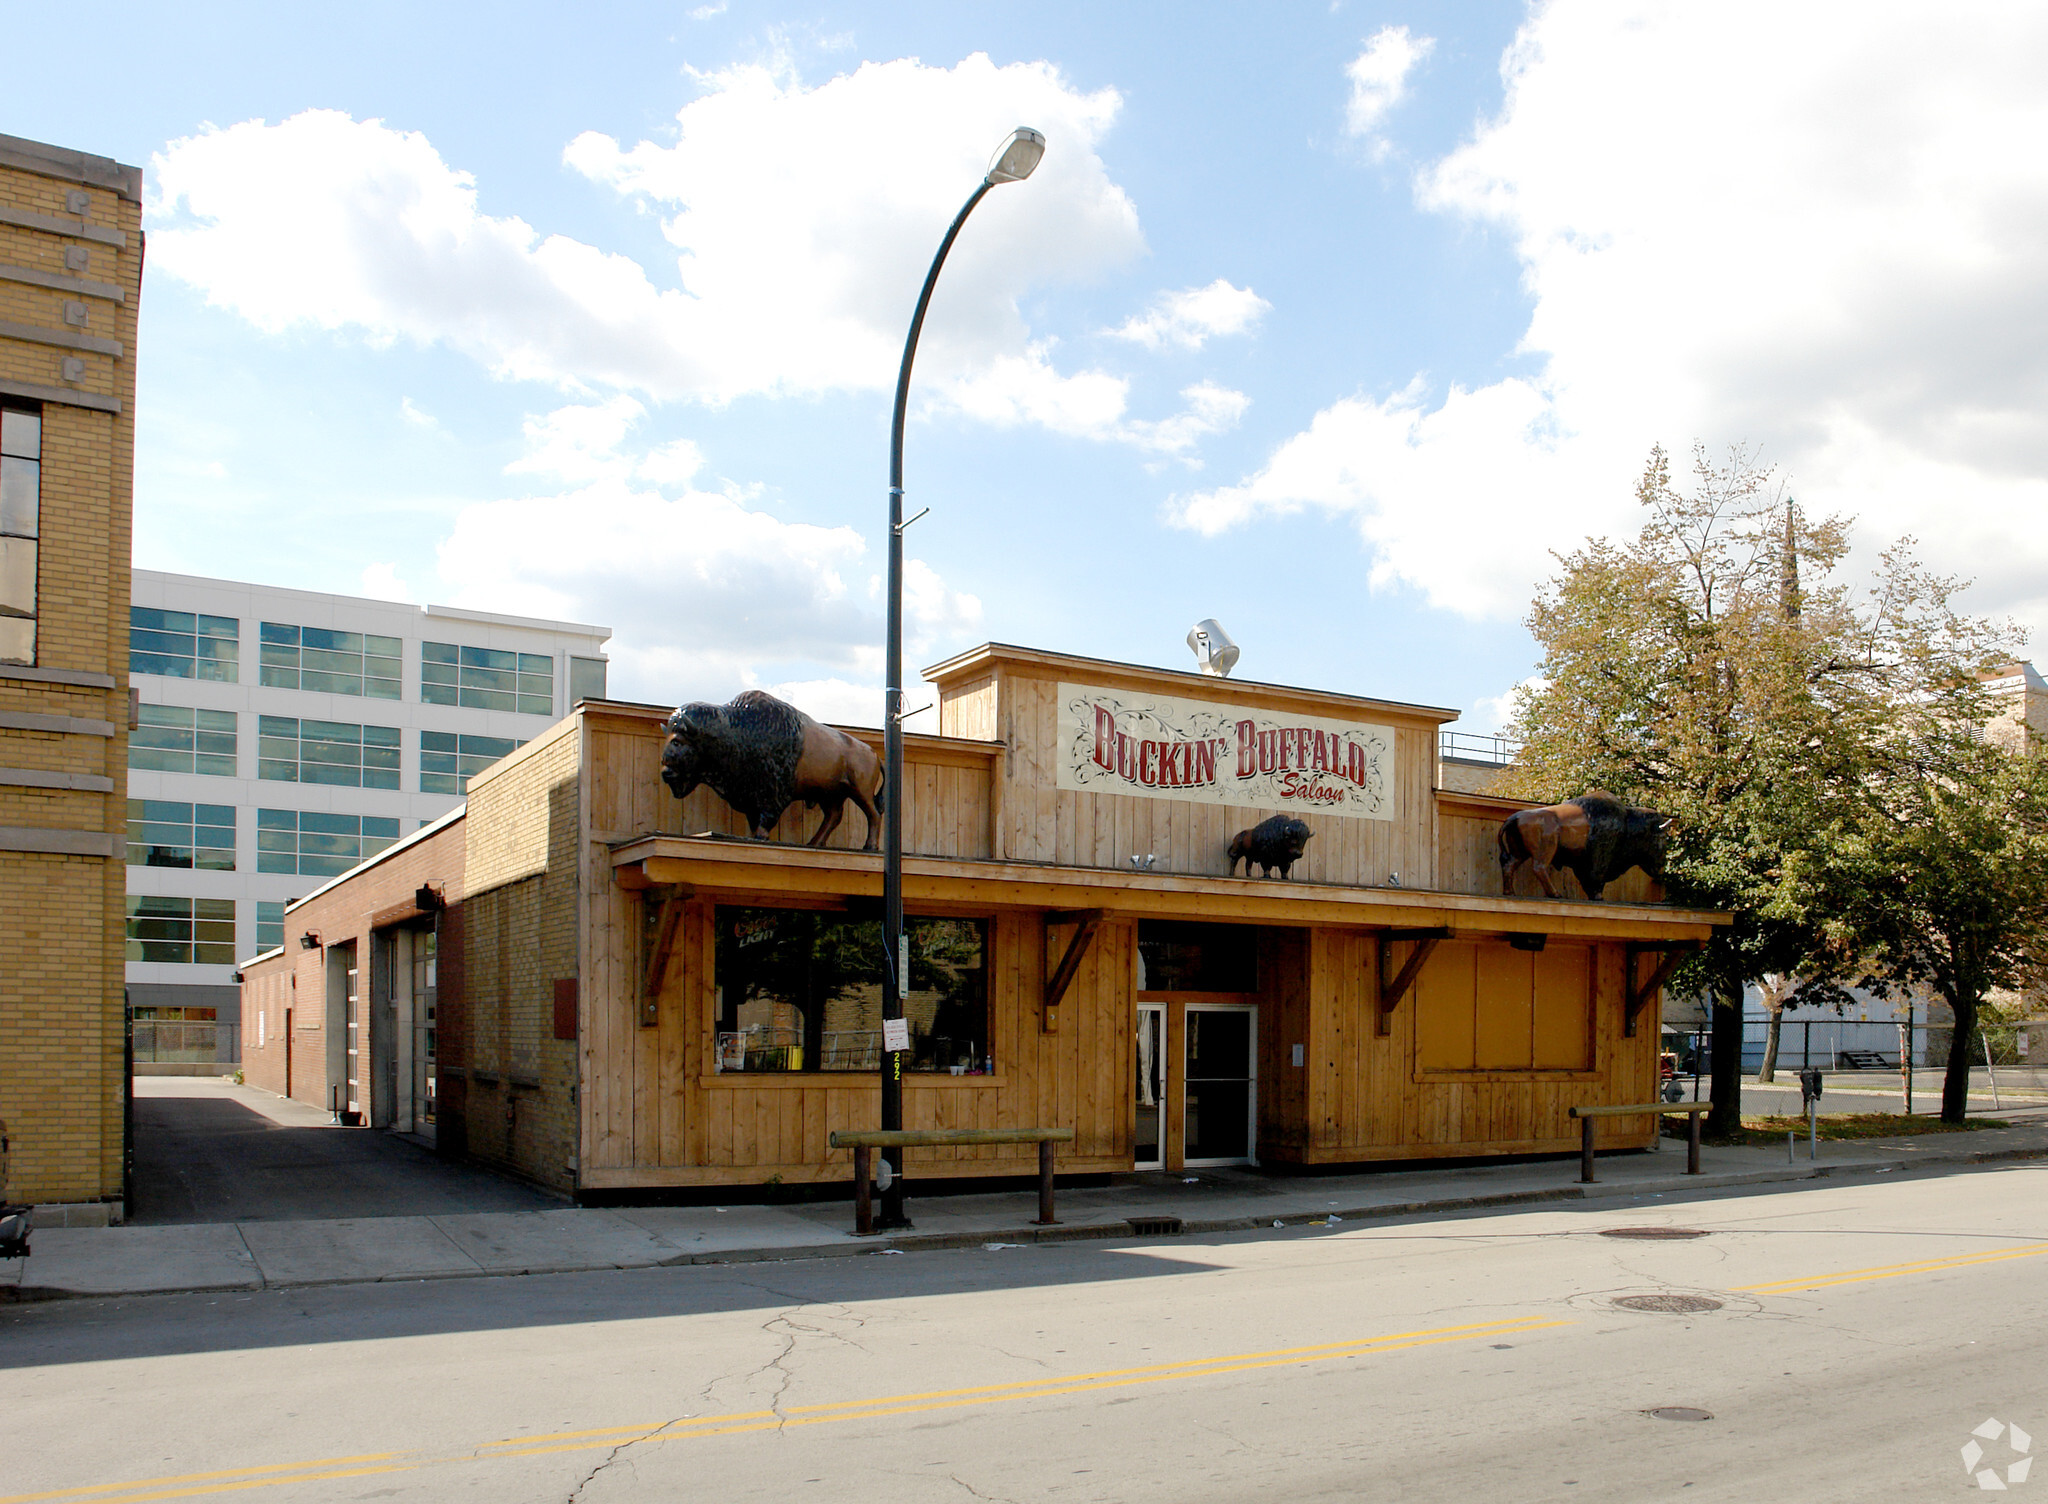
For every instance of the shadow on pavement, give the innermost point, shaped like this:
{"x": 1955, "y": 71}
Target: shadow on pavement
{"x": 79, "y": 1331}
{"x": 210, "y": 1151}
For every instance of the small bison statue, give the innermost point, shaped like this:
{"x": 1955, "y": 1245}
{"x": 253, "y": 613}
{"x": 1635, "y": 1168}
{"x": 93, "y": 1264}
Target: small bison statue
{"x": 1275, "y": 843}
{"x": 760, "y": 755}
{"x": 1595, "y": 837}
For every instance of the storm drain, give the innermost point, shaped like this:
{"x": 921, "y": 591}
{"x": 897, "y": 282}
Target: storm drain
{"x": 1651, "y": 1232}
{"x": 1680, "y": 1412}
{"x": 1675, "y": 1304}
{"x": 1155, "y": 1227}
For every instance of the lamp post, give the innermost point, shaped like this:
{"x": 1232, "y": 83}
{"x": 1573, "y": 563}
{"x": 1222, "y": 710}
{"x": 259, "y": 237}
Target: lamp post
{"x": 1014, "y": 161}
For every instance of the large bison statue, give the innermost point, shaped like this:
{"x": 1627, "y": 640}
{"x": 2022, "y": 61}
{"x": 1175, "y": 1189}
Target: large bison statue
{"x": 1595, "y": 837}
{"x": 761, "y": 755}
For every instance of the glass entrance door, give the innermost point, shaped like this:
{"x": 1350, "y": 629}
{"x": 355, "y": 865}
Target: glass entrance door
{"x": 1221, "y": 1075}
{"x": 1150, "y": 1096}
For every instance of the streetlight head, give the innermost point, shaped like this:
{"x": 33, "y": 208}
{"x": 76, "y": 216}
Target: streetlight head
{"x": 1018, "y": 157}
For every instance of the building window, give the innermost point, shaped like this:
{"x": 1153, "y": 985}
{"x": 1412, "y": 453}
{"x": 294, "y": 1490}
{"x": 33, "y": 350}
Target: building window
{"x": 311, "y": 844}
{"x": 21, "y": 501}
{"x": 799, "y": 990}
{"x": 1183, "y": 956}
{"x": 184, "y": 645}
{"x": 182, "y": 931}
{"x": 290, "y": 750}
{"x": 335, "y": 663}
{"x": 269, "y": 925}
{"x": 449, "y": 761}
{"x": 487, "y": 678}
{"x": 586, "y": 679}
{"x": 179, "y": 739}
{"x": 163, "y": 833}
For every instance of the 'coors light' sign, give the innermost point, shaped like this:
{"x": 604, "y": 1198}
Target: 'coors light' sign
{"x": 1157, "y": 748}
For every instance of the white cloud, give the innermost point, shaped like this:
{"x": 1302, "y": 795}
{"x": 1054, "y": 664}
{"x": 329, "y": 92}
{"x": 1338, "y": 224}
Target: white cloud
{"x": 1494, "y": 714}
{"x": 1738, "y": 223}
{"x": 1188, "y": 318}
{"x": 1379, "y": 80}
{"x": 381, "y": 583}
{"x": 415, "y": 415}
{"x": 797, "y": 257}
{"x": 707, "y": 594}
{"x": 1210, "y": 409}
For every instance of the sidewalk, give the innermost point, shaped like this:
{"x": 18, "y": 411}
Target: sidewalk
{"x": 253, "y": 1255}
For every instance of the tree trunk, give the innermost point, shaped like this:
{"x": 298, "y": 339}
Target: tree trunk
{"x": 1774, "y": 1023}
{"x": 1725, "y": 1121}
{"x": 1962, "y": 1045}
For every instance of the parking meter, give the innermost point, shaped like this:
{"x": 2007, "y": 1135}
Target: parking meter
{"x": 1809, "y": 1085}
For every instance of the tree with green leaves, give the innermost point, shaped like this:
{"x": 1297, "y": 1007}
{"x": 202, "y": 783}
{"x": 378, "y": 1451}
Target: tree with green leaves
{"x": 1942, "y": 885}
{"x": 1715, "y": 669}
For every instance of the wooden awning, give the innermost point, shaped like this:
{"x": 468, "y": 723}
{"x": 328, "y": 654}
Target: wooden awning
{"x": 711, "y": 864}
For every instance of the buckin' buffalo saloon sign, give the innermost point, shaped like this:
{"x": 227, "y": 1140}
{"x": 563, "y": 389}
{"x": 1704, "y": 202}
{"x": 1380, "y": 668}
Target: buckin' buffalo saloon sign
{"x": 1158, "y": 748}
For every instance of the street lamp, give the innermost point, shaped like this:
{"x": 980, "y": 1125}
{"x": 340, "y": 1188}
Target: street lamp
{"x": 1014, "y": 162}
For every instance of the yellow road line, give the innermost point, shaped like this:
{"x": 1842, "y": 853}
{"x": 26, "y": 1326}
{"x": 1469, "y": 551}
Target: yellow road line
{"x": 90, "y": 1490}
{"x": 234, "y": 1480}
{"x": 1299, "y": 1354}
{"x": 1884, "y": 1271}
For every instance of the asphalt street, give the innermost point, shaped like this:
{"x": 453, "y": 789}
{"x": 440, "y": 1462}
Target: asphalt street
{"x": 1845, "y": 1340}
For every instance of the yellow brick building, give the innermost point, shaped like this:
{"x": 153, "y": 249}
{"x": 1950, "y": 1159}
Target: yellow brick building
{"x": 70, "y": 279}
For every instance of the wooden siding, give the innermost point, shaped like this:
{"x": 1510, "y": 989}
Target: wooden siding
{"x": 946, "y": 812}
{"x": 1370, "y": 1097}
{"x": 1042, "y": 823}
{"x": 659, "y": 1115}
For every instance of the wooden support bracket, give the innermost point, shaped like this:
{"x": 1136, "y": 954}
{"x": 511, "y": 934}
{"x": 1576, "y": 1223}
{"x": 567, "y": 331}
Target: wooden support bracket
{"x": 1673, "y": 952}
{"x": 658, "y": 953}
{"x": 1088, "y": 921}
{"x": 1391, "y": 992}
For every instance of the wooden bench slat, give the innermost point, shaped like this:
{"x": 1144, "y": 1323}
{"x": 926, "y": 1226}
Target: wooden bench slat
{"x": 1630, "y": 1112}
{"x": 935, "y": 1138}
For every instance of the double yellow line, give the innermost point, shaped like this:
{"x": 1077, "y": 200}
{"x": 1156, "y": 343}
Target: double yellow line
{"x": 1887, "y": 1271}
{"x": 235, "y": 1480}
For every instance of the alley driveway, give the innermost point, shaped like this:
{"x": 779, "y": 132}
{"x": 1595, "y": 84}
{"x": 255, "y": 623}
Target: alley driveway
{"x": 207, "y": 1150}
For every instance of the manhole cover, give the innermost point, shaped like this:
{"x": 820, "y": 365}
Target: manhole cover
{"x": 1679, "y": 1304}
{"x": 1680, "y": 1412}
{"x": 1155, "y": 1227}
{"x": 1651, "y": 1232}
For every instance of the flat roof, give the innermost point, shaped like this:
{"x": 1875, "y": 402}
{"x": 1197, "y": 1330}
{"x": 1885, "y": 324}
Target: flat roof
{"x": 446, "y": 613}
{"x": 1208, "y": 684}
{"x": 386, "y": 854}
{"x": 71, "y": 165}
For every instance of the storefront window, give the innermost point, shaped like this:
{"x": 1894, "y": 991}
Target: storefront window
{"x": 800, "y": 990}
{"x": 1177, "y": 956}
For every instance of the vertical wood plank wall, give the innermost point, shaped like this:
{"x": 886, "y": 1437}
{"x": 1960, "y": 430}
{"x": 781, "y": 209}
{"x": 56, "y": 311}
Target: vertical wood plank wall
{"x": 1044, "y": 823}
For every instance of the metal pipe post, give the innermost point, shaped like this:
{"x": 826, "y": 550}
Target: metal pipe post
{"x": 1692, "y": 1144}
{"x": 863, "y": 1192}
{"x": 1045, "y": 1216}
{"x": 1585, "y": 1151}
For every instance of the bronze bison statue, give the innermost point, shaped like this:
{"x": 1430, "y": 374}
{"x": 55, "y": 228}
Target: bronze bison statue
{"x": 761, "y": 755}
{"x": 1275, "y": 844}
{"x": 1595, "y": 837}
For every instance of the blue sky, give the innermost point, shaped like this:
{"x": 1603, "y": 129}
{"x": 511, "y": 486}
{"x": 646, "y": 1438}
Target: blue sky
{"x": 1327, "y": 321}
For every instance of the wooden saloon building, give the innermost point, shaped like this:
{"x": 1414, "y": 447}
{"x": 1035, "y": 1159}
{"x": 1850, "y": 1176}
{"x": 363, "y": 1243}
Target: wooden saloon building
{"x": 634, "y": 996}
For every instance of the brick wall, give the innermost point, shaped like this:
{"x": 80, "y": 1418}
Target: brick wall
{"x": 62, "y": 913}
{"x": 520, "y": 938}
{"x": 352, "y": 909}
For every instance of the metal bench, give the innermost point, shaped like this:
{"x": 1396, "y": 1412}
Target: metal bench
{"x": 864, "y": 1141}
{"x": 1588, "y": 1115}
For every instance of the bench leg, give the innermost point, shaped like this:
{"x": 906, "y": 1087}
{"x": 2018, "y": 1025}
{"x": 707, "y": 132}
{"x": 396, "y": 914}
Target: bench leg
{"x": 1692, "y": 1144}
{"x": 863, "y": 1192}
{"x": 1586, "y": 1151}
{"x": 1045, "y": 1216}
